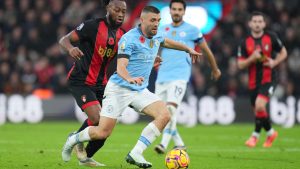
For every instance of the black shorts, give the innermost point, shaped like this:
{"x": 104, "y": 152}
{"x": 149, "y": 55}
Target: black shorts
{"x": 86, "y": 96}
{"x": 265, "y": 91}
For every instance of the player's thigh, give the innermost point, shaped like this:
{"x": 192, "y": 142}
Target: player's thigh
{"x": 116, "y": 100}
{"x": 158, "y": 110}
{"x": 86, "y": 99}
{"x": 264, "y": 93}
{"x": 176, "y": 91}
{"x": 99, "y": 94}
{"x": 253, "y": 94}
{"x": 149, "y": 103}
{"x": 161, "y": 90}
{"x": 106, "y": 126}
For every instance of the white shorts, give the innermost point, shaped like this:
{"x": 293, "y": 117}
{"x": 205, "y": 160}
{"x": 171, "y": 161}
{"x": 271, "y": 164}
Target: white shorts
{"x": 117, "y": 99}
{"x": 171, "y": 91}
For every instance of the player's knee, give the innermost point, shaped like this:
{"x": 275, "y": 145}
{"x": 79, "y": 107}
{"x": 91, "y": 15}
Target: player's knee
{"x": 260, "y": 107}
{"x": 94, "y": 119}
{"x": 103, "y": 133}
{"x": 165, "y": 116}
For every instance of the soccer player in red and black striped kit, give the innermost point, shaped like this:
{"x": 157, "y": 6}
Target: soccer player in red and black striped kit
{"x": 261, "y": 52}
{"x": 97, "y": 46}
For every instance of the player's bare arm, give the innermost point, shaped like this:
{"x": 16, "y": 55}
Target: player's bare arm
{"x": 171, "y": 44}
{"x": 122, "y": 72}
{"x": 256, "y": 55}
{"x": 281, "y": 56}
{"x": 216, "y": 73}
{"x": 66, "y": 43}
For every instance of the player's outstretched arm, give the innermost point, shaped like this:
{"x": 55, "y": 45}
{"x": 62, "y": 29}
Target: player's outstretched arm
{"x": 168, "y": 43}
{"x": 66, "y": 43}
{"x": 216, "y": 73}
{"x": 123, "y": 72}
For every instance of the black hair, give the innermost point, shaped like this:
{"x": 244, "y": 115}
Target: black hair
{"x": 178, "y": 1}
{"x": 257, "y": 13}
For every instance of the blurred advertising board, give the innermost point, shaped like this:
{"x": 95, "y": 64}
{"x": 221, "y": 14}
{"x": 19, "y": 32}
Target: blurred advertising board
{"x": 206, "y": 110}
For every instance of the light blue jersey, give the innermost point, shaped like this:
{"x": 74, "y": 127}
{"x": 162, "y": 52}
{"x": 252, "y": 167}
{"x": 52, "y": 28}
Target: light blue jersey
{"x": 176, "y": 65}
{"x": 141, "y": 52}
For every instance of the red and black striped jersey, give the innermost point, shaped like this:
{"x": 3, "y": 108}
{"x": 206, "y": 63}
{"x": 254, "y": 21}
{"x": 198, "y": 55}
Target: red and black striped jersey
{"x": 269, "y": 44}
{"x": 99, "y": 43}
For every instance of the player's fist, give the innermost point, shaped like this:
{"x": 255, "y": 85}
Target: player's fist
{"x": 76, "y": 53}
{"x": 269, "y": 63}
{"x": 157, "y": 62}
{"x": 136, "y": 80}
{"x": 216, "y": 74}
{"x": 194, "y": 55}
{"x": 256, "y": 55}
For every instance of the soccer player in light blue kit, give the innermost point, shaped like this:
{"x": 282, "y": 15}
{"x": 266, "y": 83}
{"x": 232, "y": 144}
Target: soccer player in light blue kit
{"x": 137, "y": 51}
{"x": 175, "y": 70}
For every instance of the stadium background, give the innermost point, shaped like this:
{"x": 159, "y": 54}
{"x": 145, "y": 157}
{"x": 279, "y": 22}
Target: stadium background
{"x": 33, "y": 68}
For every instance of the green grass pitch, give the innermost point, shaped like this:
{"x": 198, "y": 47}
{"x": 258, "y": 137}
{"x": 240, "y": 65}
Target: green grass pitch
{"x": 38, "y": 146}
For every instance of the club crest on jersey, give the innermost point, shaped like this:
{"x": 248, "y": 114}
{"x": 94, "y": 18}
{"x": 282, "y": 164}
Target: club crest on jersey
{"x": 182, "y": 34}
{"x": 111, "y": 41}
{"x": 80, "y": 26}
{"x": 142, "y": 39}
{"x": 83, "y": 98}
{"x": 267, "y": 47}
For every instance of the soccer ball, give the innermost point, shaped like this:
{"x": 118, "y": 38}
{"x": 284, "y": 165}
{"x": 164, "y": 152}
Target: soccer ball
{"x": 176, "y": 159}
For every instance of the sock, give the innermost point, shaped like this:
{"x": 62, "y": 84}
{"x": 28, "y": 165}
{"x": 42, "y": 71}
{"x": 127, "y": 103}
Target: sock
{"x": 80, "y": 137}
{"x": 149, "y": 134}
{"x": 167, "y": 135}
{"x": 177, "y": 139}
{"x": 93, "y": 146}
{"x": 84, "y": 125}
{"x": 258, "y": 124}
{"x": 174, "y": 133}
{"x": 255, "y": 134}
{"x": 270, "y": 132}
{"x": 267, "y": 123}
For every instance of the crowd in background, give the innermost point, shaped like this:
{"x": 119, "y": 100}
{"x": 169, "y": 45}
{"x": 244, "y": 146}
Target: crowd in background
{"x": 30, "y": 57}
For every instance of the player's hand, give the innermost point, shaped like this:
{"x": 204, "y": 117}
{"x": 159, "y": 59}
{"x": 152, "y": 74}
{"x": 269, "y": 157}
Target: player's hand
{"x": 256, "y": 55}
{"x": 216, "y": 74}
{"x": 194, "y": 55}
{"x": 75, "y": 53}
{"x": 269, "y": 63}
{"x": 157, "y": 62}
{"x": 136, "y": 80}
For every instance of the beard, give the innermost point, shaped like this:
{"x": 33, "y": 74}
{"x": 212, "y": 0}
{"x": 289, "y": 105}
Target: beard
{"x": 150, "y": 33}
{"x": 113, "y": 23}
{"x": 176, "y": 18}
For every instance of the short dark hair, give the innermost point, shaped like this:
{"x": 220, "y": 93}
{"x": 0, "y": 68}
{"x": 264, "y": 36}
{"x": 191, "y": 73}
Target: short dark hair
{"x": 151, "y": 9}
{"x": 107, "y": 2}
{"x": 257, "y": 13}
{"x": 178, "y": 1}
